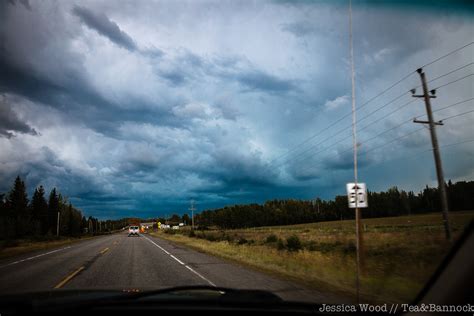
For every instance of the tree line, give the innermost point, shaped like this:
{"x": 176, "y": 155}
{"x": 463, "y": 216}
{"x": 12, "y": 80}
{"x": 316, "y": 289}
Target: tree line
{"x": 393, "y": 202}
{"x": 22, "y": 218}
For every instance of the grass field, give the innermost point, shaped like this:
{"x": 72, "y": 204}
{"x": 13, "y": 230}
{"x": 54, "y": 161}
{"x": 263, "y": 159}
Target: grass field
{"x": 400, "y": 253}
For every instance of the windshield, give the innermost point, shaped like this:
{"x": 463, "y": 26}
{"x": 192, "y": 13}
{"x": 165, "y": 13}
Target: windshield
{"x": 322, "y": 151}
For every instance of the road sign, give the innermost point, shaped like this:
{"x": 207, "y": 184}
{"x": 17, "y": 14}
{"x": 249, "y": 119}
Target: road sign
{"x": 358, "y": 192}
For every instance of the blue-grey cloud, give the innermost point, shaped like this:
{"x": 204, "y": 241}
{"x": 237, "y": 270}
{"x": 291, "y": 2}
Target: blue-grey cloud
{"x": 265, "y": 82}
{"x": 106, "y": 27}
{"x": 10, "y": 123}
{"x": 138, "y": 130}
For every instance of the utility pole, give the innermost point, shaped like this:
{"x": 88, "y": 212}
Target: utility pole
{"x": 192, "y": 209}
{"x": 57, "y": 226}
{"x": 359, "y": 238}
{"x": 434, "y": 140}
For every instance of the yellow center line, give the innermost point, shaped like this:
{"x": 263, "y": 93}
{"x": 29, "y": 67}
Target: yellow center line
{"x": 104, "y": 251}
{"x": 68, "y": 278}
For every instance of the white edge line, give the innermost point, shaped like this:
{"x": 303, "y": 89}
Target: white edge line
{"x": 34, "y": 257}
{"x": 199, "y": 275}
{"x": 181, "y": 262}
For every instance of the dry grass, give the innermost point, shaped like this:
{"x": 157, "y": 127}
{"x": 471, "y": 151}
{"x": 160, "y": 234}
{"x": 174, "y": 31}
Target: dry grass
{"x": 400, "y": 253}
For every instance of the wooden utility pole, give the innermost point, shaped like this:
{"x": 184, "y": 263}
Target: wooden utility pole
{"x": 359, "y": 237}
{"x": 57, "y": 226}
{"x": 437, "y": 157}
{"x": 192, "y": 209}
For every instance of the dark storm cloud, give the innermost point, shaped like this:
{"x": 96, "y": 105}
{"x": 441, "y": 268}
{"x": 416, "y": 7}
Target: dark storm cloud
{"x": 25, "y": 3}
{"x": 188, "y": 66}
{"x": 298, "y": 29}
{"x": 10, "y": 123}
{"x": 130, "y": 127}
{"x": 84, "y": 104}
{"x": 106, "y": 27}
{"x": 264, "y": 82}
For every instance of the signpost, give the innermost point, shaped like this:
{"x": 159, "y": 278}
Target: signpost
{"x": 357, "y": 199}
{"x": 357, "y": 195}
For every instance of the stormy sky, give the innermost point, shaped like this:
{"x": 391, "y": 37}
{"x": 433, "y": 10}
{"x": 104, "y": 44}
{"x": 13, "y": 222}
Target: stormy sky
{"x": 132, "y": 108}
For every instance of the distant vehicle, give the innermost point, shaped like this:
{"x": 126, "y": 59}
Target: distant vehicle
{"x": 133, "y": 231}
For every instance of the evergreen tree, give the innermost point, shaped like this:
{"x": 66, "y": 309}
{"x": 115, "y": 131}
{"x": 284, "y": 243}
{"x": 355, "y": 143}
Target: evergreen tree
{"x": 18, "y": 205}
{"x": 53, "y": 209}
{"x": 39, "y": 208}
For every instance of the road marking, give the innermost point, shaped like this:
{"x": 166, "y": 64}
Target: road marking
{"x": 34, "y": 257}
{"x": 181, "y": 262}
{"x": 157, "y": 245}
{"x": 104, "y": 251}
{"x": 199, "y": 275}
{"x": 68, "y": 278}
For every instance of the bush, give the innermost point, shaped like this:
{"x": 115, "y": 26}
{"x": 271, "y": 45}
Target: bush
{"x": 192, "y": 233}
{"x": 211, "y": 237}
{"x": 349, "y": 248}
{"x": 242, "y": 241}
{"x": 293, "y": 243}
{"x": 271, "y": 239}
{"x": 281, "y": 244}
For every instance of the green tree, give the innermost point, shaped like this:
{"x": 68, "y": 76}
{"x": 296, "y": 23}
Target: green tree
{"x": 186, "y": 219}
{"x": 18, "y": 205}
{"x": 39, "y": 208}
{"x": 53, "y": 209}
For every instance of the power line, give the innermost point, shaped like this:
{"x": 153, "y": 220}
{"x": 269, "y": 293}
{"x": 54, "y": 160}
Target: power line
{"x": 424, "y": 151}
{"x": 403, "y": 136}
{"x": 373, "y": 122}
{"x": 447, "y": 107}
{"x": 376, "y": 110}
{"x": 388, "y": 114}
{"x": 446, "y": 74}
{"x": 458, "y": 143}
{"x": 448, "y": 54}
{"x": 343, "y": 117}
{"x": 393, "y": 140}
{"x": 453, "y": 116}
{"x": 378, "y": 95}
{"x": 398, "y": 138}
{"x": 451, "y": 82}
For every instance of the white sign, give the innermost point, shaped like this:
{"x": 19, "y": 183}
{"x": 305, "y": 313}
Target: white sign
{"x": 357, "y": 195}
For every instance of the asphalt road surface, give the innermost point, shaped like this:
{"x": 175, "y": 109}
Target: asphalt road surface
{"x": 140, "y": 263}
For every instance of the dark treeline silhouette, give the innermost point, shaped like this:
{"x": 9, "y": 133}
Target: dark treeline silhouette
{"x": 393, "y": 202}
{"x": 21, "y": 218}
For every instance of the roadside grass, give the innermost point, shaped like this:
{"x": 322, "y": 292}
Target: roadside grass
{"x": 400, "y": 253}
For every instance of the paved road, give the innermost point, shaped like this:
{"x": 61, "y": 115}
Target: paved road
{"x": 128, "y": 263}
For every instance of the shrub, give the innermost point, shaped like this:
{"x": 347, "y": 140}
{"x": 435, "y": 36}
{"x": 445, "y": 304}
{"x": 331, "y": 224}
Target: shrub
{"x": 242, "y": 241}
{"x": 281, "y": 244}
{"x": 349, "y": 248}
{"x": 192, "y": 233}
{"x": 312, "y": 246}
{"x": 271, "y": 239}
{"x": 293, "y": 243}
{"x": 211, "y": 237}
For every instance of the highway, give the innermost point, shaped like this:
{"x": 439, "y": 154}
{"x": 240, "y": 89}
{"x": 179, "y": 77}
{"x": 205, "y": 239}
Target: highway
{"x": 140, "y": 263}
